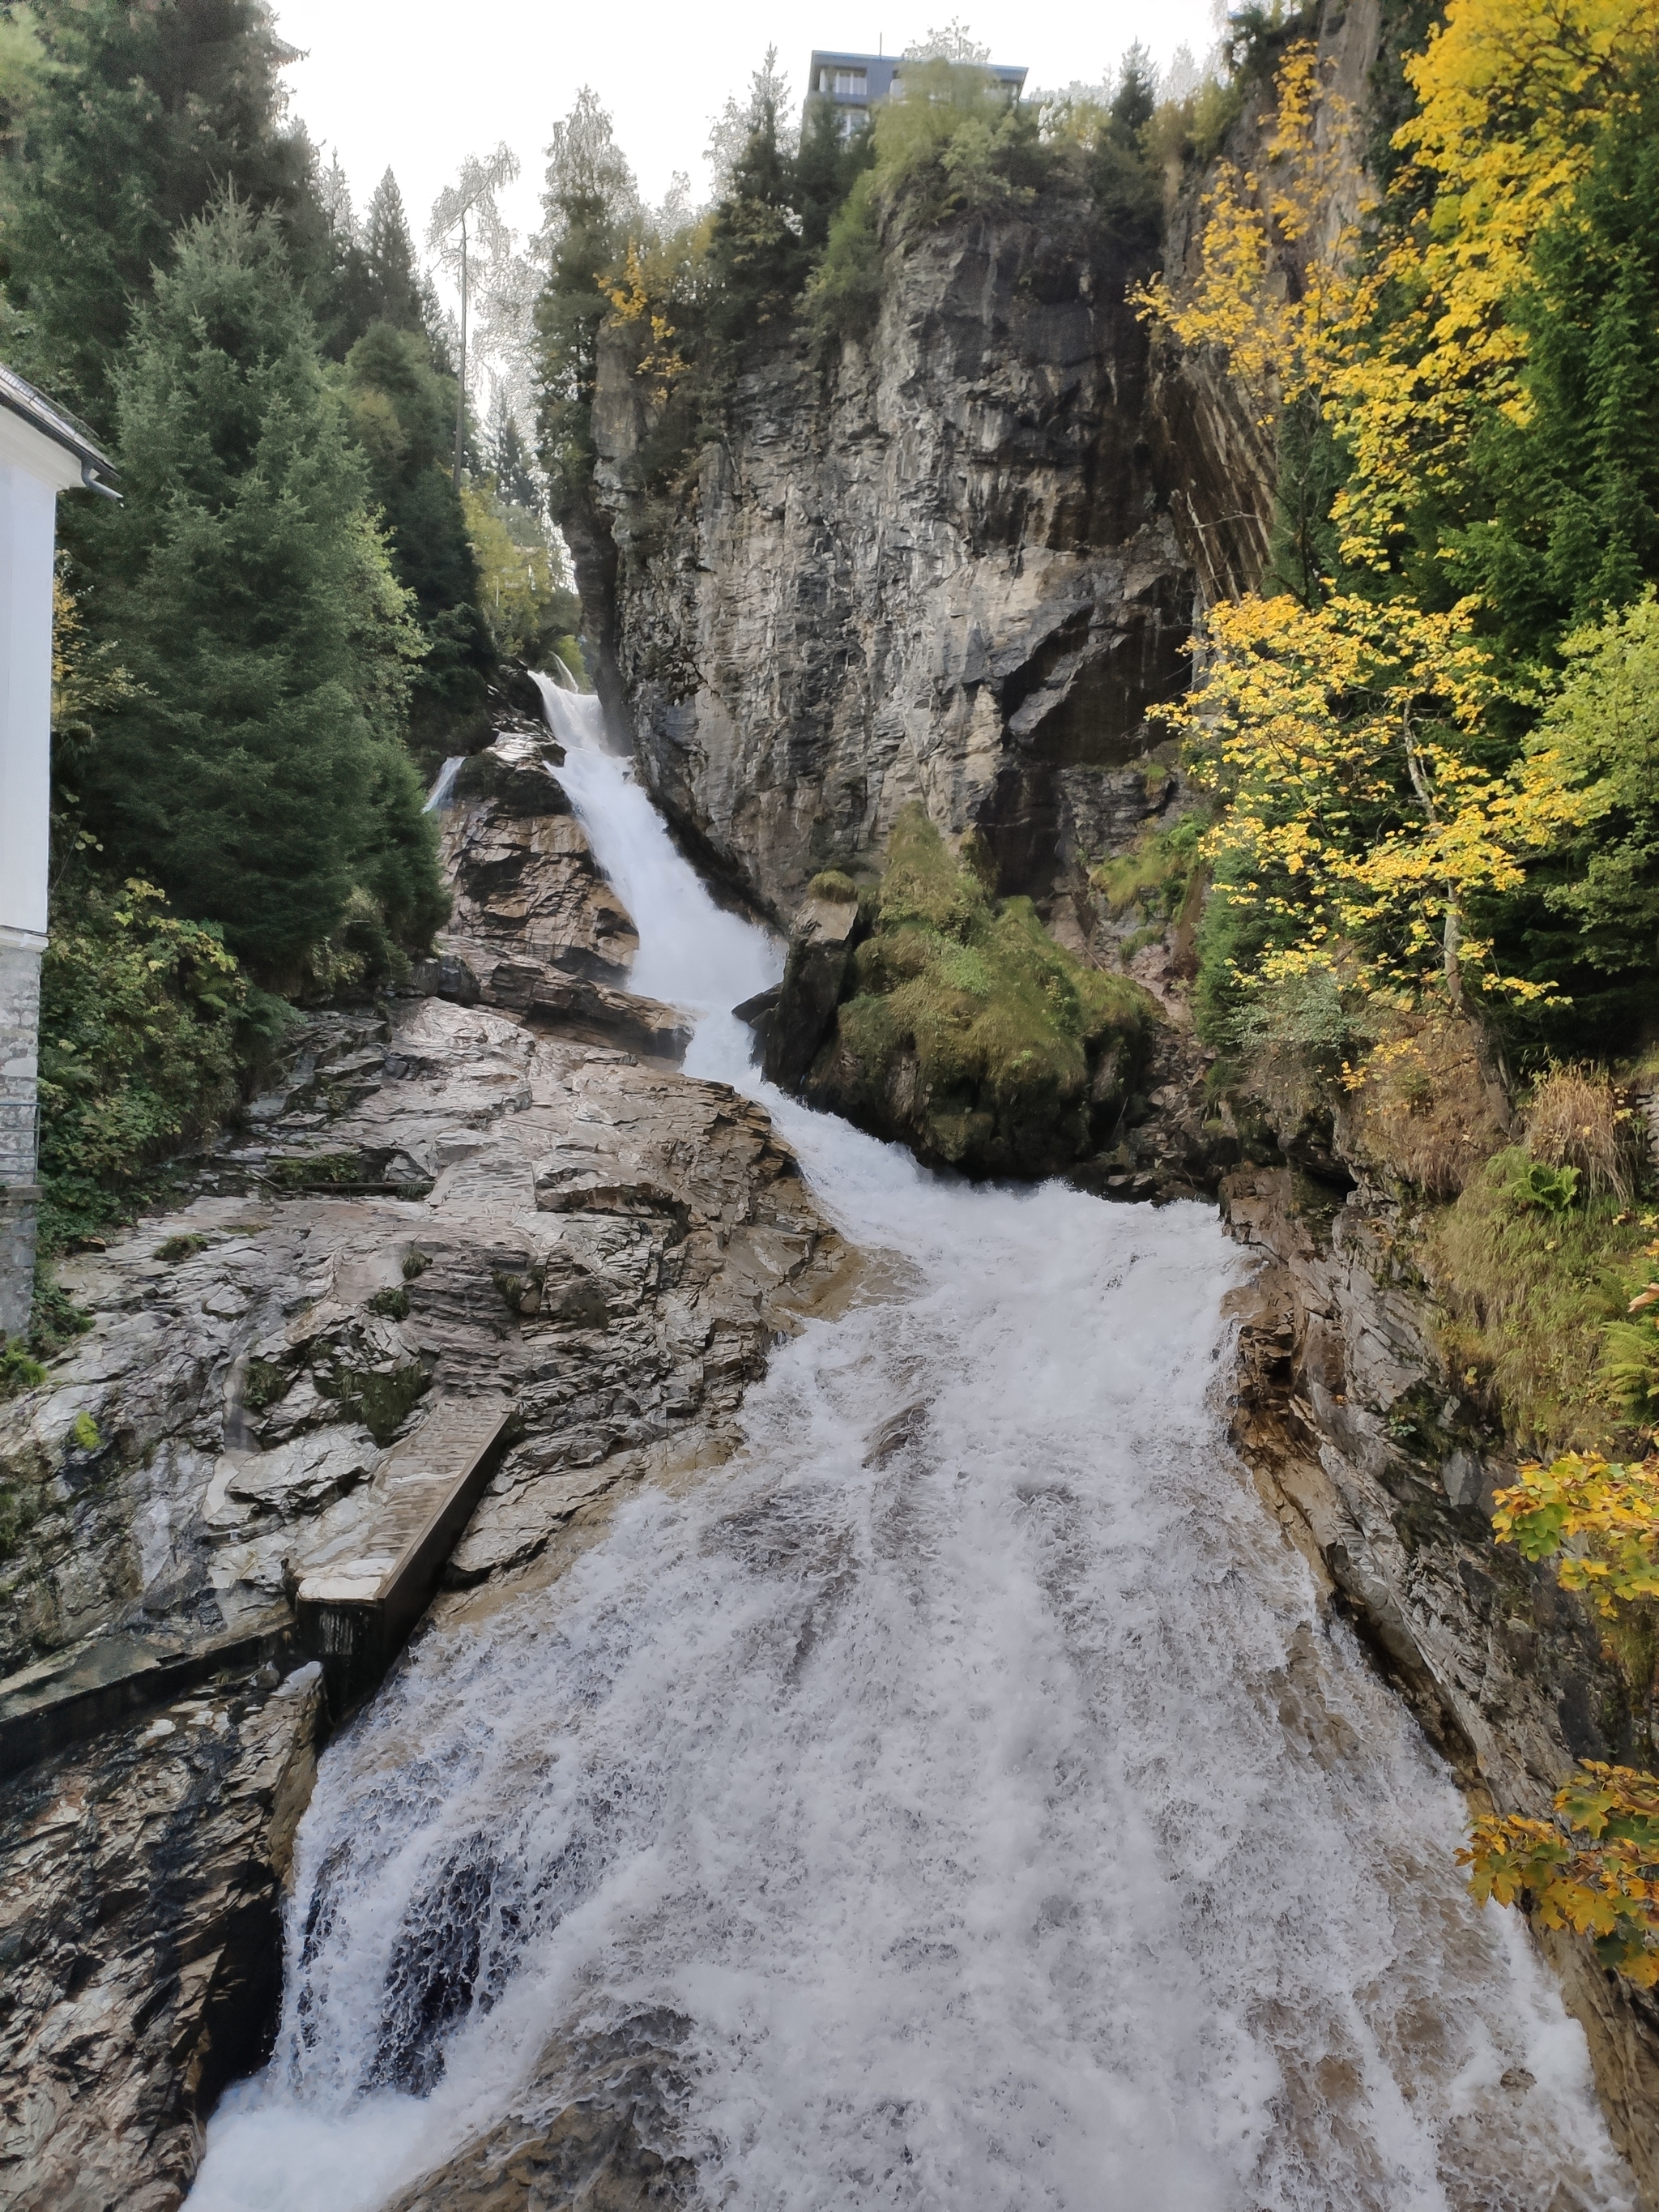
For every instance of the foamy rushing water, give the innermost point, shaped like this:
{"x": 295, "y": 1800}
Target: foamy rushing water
{"x": 962, "y": 1772}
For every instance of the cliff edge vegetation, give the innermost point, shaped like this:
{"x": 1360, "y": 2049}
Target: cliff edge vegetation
{"x": 1427, "y": 743}
{"x": 966, "y": 1031}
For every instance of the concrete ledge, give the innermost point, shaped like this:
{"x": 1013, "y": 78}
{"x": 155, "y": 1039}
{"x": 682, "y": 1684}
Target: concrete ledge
{"x": 114, "y": 1679}
{"x": 355, "y": 1613}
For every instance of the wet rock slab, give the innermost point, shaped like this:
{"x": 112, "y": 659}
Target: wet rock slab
{"x": 140, "y": 1930}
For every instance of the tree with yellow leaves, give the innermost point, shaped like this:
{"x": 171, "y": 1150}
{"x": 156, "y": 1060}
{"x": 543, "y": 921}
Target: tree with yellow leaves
{"x": 1513, "y": 95}
{"x": 1272, "y": 293}
{"x": 1595, "y": 1867}
{"x": 1361, "y": 826}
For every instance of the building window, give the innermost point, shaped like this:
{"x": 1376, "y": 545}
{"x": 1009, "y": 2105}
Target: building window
{"x": 852, "y": 84}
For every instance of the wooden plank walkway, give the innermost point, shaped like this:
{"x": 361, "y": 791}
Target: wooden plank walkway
{"x": 356, "y": 1614}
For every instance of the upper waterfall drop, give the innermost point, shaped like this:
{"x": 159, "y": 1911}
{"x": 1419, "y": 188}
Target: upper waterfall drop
{"x": 693, "y": 953}
{"x": 443, "y": 784}
{"x": 958, "y": 1796}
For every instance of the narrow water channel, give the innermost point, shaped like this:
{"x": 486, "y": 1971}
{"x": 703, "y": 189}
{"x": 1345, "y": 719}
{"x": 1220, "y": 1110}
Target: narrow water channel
{"x": 961, "y": 1781}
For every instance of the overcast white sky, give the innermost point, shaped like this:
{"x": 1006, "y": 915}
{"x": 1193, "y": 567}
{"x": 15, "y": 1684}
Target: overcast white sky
{"x": 417, "y": 85}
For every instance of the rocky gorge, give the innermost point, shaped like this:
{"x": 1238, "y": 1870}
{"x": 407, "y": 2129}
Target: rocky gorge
{"x": 954, "y": 569}
{"x": 952, "y": 574}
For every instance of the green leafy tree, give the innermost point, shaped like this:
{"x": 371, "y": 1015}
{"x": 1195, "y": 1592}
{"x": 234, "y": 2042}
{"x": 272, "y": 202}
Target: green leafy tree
{"x": 1592, "y": 905}
{"x": 1560, "y": 519}
{"x": 144, "y": 115}
{"x": 256, "y": 773}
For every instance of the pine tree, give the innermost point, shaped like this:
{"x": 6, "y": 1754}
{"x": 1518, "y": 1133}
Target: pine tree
{"x": 394, "y": 286}
{"x": 258, "y": 777}
{"x": 403, "y": 413}
{"x": 145, "y": 114}
{"x": 587, "y": 204}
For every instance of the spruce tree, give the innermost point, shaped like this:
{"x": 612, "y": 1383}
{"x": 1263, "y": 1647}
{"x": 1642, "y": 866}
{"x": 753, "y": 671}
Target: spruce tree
{"x": 257, "y": 776}
{"x": 144, "y": 115}
{"x": 589, "y": 200}
{"x": 394, "y": 285}
{"x": 403, "y": 413}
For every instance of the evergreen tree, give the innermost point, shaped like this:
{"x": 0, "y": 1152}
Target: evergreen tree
{"x": 403, "y": 413}
{"x": 1126, "y": 189}
{"x": 258, "y": 775}
{"x": 1569, "y": 527}
{"x": 389, "y": 248}
{"x": 589, "y": 200}
{"x": 509, "y": 460}
{"x": 144, "y": 114}
{"x": 758, "y": 258}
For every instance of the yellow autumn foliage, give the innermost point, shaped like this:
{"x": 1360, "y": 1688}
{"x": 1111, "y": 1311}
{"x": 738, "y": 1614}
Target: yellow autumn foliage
{"x": 1511, "y": 95}
{"x": 636, "y": 298}
{"x": 1595, "y": 1869}
{"x": 1359, "y": 819}
{"x": 1273, "y": 292}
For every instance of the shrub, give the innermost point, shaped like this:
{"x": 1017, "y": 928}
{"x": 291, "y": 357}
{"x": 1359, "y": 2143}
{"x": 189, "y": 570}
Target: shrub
{"x": 1533, "y": 1183}
{"x": 138, "y": 1022}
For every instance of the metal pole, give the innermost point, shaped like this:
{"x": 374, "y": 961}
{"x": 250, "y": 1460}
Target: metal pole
{"x": 460, "y": 389}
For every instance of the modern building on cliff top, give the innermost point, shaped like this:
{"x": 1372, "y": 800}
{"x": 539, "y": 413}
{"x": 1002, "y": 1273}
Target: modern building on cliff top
{"x": 857, "y": 82}
{"x": 42, "y": 452}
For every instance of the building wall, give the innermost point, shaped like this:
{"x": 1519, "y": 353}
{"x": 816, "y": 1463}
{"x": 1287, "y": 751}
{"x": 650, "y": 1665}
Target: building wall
{"x": 32, "y": 470}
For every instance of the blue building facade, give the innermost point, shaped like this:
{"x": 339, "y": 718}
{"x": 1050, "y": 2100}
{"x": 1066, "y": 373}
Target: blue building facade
{"x": 855, "y": 83}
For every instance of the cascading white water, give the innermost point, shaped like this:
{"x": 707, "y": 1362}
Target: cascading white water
{"x": 963, "y": 1773}
{"x": 438, "y": 798}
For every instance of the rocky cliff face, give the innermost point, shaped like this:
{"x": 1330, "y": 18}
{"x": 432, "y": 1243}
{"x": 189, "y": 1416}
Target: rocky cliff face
{"x": 956, "y": 565}
{"x": 945, "y": 569}
{"x": 1383, "y": 1474}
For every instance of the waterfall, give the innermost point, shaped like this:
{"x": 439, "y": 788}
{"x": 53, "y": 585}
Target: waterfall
{"x": 438, "y": 798}
{"x": 961, "y": 1779}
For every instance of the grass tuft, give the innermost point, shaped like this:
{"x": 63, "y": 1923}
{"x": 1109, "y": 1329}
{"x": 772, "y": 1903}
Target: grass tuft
{"x": 1533, "y": 1301}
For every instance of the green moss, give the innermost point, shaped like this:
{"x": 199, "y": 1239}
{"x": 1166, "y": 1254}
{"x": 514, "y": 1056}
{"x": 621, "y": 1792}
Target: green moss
{"x": 20, "y": 1509}
{"x": 1532, "y": 1300}
{"x": 380, "y": 1401}
{"x": 391, "y": 1305}
{"x": 830, "y": 883}
{"x": 416, "y": 1264}
{"x": 264, "y": 1385}
{"x": 18, "y": 1372}
{"x": 1154, "y": 875}
{"x": 1020, "y": 1052}
{"x": 314, "y": 1168}
{"x": 84, "y": 1433}
{"x": 180, "y": 1248}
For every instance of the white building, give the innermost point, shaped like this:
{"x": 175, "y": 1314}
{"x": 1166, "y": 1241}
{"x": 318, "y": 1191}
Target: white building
{"x": 42, "y": 452}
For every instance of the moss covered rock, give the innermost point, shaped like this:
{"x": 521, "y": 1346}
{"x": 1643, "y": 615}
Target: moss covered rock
{"x": 966, "y": 1032}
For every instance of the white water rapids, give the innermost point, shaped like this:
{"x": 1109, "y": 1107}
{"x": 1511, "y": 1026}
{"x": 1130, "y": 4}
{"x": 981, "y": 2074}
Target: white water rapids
{"x": 991, "y": 1809}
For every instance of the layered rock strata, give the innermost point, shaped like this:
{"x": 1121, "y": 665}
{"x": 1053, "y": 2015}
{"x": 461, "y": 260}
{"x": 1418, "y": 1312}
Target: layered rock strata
{"x": 944, "y": 569}
{"x": 437, "y": 1199}
{"x": 1382, "y": 1471}
{"x": 536, "y": 930}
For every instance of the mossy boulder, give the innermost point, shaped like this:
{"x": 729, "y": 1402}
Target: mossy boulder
{"x": 965, "y": 1031}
